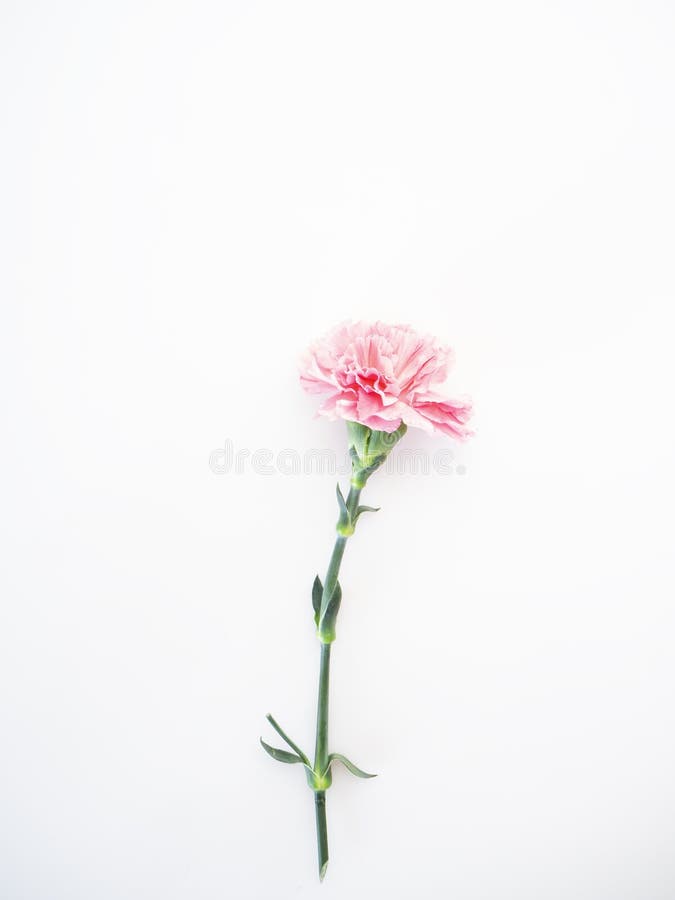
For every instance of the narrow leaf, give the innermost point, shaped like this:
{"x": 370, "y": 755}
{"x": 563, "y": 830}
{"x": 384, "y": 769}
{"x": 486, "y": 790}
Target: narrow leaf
{"x": 362, "y": 509}
{"x": 327, "y": 623}
{"x": 326, "y": 626}
{"x": 344, "y": 525}
{"x": 341, "y": 501}
{"x": 279, "y": 730}
{"x": 350, "y": 765}
{"x": 336, "y": 599}
{"x": 281, "y": 755}
{"x": 317, "y": 592}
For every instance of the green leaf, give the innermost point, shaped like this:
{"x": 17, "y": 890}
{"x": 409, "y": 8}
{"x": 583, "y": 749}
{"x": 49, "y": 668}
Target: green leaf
{"x": 336, "y": 599}
{"x": 281, "y": 755}
{"x": 327, "y": 624}
{"x": 279, "y": 730}
{"x": 349, "y": 765}
{"x": 341, "y": 500}
{"x": 344, "y": 523}
{"x": 317, "y": 593}
{"x": 362, "y": 509}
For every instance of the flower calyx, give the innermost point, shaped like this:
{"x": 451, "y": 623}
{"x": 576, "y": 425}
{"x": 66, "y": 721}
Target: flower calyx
{"x": 369, "y": 449}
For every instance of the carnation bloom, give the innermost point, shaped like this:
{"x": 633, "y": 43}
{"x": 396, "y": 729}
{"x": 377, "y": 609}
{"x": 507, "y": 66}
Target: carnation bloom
{"x": 383, "y": 375}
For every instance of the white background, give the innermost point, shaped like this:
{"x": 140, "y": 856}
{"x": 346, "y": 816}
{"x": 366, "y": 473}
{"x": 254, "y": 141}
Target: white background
{"x": 191, "y": 192}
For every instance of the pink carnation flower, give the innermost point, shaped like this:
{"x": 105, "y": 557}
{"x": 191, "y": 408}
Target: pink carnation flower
{"x": 381, "y": 375}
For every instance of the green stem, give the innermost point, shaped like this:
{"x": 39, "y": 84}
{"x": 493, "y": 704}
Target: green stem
{"x": 321, "y": 831}
{"x": 321, "y": 746}
{"x": 321, "y": 758}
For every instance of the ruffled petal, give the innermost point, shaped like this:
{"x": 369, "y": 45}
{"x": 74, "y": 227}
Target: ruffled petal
{"x": 381, "y": 375}
{"x": 445, "y": 415}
